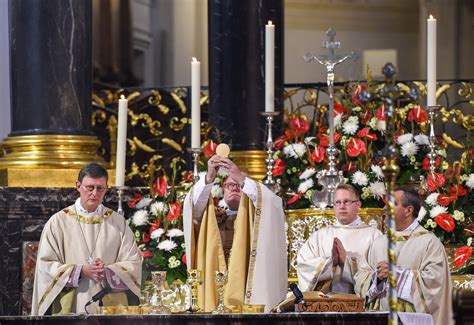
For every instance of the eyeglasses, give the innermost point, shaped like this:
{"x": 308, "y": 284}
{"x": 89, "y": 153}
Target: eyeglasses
{"x": 232, "y": 186}
{"x": 345, "y": 202}
{"x": 91, "y": 188}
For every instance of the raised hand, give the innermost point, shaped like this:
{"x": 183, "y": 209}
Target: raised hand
{"x": 232, "y": 170}
{"x": 213, "y": 165}
{"x": 341, "y": 252}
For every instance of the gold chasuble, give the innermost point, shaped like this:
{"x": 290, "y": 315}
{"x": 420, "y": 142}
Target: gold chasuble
{"x": 70, "y": 239}
{"x": 257, "y": 269}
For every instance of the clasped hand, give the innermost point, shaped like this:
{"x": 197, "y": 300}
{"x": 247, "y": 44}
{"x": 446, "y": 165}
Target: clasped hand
{"x": 382, "y": 270}
{"x": 94, "y": 271}
{"x": 216, "y": 162}
{"x": 338, "y": 253}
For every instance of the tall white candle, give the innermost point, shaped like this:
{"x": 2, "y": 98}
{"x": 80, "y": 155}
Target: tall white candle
{"x": 431, "y": 61}
{"x": 195, "y": 105}
{"x": 269, "y": 67}
{"x": 121, "y": 142}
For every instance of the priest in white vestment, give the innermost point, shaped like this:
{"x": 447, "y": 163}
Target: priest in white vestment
{"x": 331, "y": 256}
{"x": 247, "y": 240}
{"x": 84, "y": 248}
{"x": 422, "y": 272}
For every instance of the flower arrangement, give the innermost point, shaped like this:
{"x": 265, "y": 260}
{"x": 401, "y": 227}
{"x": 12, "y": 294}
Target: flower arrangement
{"x": 157, "y": 225}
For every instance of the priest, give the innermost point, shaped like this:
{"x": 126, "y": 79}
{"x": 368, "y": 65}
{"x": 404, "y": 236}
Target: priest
{"x": 331, "y": 256}
{"x": 423, "y": 278}
{"x": 247, "y": 239}
{"x": 85, "y": 249}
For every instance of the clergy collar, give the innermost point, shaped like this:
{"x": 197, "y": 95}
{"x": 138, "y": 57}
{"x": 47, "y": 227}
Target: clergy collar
{"x": 409, "y": 230}
{"x": 356, "y": 223}
{"x": 80, "y": 209}
{"x": 231, "y": 212}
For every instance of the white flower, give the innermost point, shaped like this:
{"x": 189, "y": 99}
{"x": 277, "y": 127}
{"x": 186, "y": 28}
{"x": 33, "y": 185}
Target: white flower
{"x": 309, "y": 140}
{"x": 294, "y": 150}
{"x": 380, "y": 125}
{"x": 432, "y": 199}
{"x": 306, "y": 185}
{"x": 377, "y": 170}
{"x": 422, "y": 139}
{"x": 157, "y": 208}
{"x": 217, "y": 191}
{"x": 308, "y": 173}
{"x": 223, "y": 205}
{"x": 143, "y": 203}
{"x": 140, "y": 218}
{"x": 421, "y": 214}
{"x": 173, "y": 262}
{"x": 377, "y": 189}
{"x": 409, "y": 149}
{"x": 436, "y": 210}
{"x": 441, "y": 152}
{"x": 174, "y": 233}
{"x": 337, "y": 121}
{"x": 373, "y": 122}
{"x": 360, "y": 178}
{"x": 404, "y": 138}
{"x": 470, "y": 181}
{"x": 156, "y": 234}
{"x": 167, "y": 245}
{"x": 351, "y": 125}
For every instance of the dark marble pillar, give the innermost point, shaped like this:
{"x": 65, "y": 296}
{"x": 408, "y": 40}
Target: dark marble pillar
{"x": 51, "y": 70}
{"x": 237, "y": 67}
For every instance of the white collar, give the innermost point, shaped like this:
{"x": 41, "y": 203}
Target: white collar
{"x": 354, "y": 224}
{"x": 80, "y": 208}
{"x": 410, "y": 229}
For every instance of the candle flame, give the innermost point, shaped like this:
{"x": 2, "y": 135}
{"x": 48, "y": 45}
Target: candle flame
{"x": 431, "y": 17}
{"x": 194, "y": 59}
{"x": 270, "y": 22}
{"x": 122, "y": 97}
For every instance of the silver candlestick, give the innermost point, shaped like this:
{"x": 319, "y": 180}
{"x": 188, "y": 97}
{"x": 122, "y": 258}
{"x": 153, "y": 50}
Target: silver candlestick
{"x": 432, "y": 154}
{"x": 196, "y": 153}
{"x": 120, "y": 193}
{"x": 329, "y": 179}
{"x": 270, "y": 116}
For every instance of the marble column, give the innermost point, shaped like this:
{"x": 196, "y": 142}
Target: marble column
{"x": 237, "y": 68}
{"x": 51, "y": 70}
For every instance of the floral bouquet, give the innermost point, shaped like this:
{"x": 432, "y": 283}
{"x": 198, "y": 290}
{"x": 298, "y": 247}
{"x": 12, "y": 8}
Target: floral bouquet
{"x": 157, "y": 225}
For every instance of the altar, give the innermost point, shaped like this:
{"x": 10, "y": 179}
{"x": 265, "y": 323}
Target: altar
{"x": 372, "y": 318}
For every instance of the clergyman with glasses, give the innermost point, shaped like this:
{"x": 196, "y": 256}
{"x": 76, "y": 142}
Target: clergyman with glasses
{"x": 247, "y": 239}
{"x": 83, "y": 249}
{"x": 332, "y": 255}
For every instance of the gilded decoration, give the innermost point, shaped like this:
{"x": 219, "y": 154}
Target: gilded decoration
{"x": 157, "y": 129}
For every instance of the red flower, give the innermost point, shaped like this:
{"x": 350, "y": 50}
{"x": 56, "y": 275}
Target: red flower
{"x": 183, "y": 258}
{"x": 426, "y": 163}
{"x": 154, "y": 226}
{"x": 445, "y": 200}
{"x": 295, "y": 198}
{"x": 188, "y": 176}
{"x": 457, "y": 190}
{"x": 338, "y": 109}
{"x": 133, "y": 202}
{"x": 318, "y": 154}
{"x": 160, "y": 186}
{"x": 174, "y": 212}
{"x": 355, "y": 147}
{"x": 355, "y": 95}
{"x": 445, "y": 221}
{"x": 380, "y": 113}
{"x": 417, "y": 114}
{"x": 365, "y": 133}
{"x": 349, "y": 167}
{"x": 366, "y": 116}
{"x": 462, "y": 255}
{"x": 324, "y": 139}
{"x": 279, "y": 142}
{"x": 435, "y": 181}
{"x": 145, "y": 237}
{"x": 146, "y": 254}
{"x": 210, "y": 149}
{"x": 278, "y": 167}
{"x": 299, "y": 125}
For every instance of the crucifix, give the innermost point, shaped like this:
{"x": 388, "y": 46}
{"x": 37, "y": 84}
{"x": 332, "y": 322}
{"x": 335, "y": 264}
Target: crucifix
{"x": 329, "y": 179}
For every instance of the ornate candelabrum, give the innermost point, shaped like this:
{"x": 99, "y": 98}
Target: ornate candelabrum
{"x": 157, "y": 307}
{"x": 194, "y": 280}
{"x": 196, "y": 153}
{"x": 432, "y": 154}
{"x": 270, "y": 116}
{"x": 329, "y": 179}
{"x": 221, "y": 281}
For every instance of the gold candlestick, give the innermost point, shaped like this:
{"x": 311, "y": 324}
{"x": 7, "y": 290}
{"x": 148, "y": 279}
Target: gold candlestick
{"x": 221, "y": 281}
{"x": 194, "y": 279}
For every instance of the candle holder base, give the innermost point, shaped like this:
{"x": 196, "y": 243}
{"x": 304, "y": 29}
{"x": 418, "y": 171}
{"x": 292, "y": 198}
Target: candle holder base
{"x": 196, "y": 152}
{"x": 269, "y": 181}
